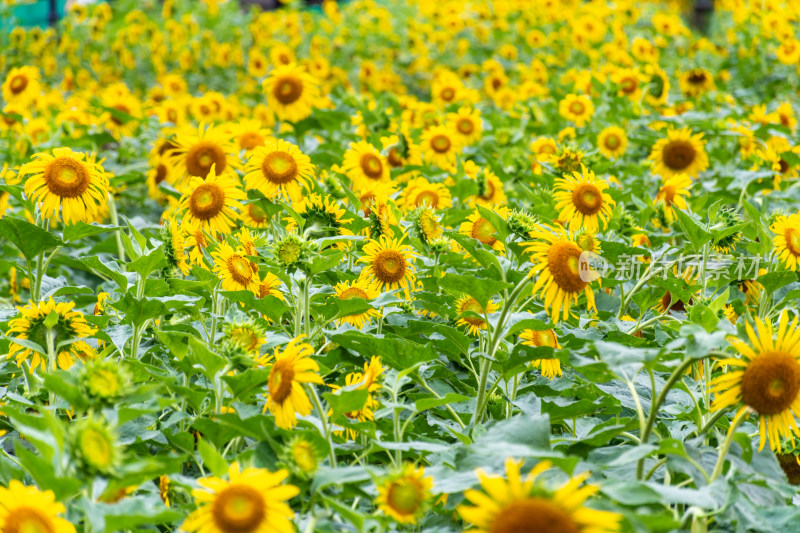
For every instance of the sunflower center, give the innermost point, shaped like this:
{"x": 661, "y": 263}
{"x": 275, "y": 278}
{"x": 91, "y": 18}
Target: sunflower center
{"x": 250, "y": 140}
{"x": 612, "y": 142}
{"x": 465, "y": 126}
{"x": 389, "y": 266}
{"x": 353, "y": 292}
{"x": 483, "y": 230}
{"x": 533, "y": 515}
{"x": 279, "y": 168}
{"x": 585, "y": 241}
{"x": 587, "y": 198}
{"x": 256, "y": 213}
{"x": 202, "y": 155}
{"x": 677, "y": 305}
{"x": 96, "y": 447}
{"x": 122, "y": 109}
{"x": 280, "y": 381}
{"x": 161, "y": 173}
{"x": 207, "y": 201}
{"x": 440, "y": 143}
{"x": 66, "y": 177}
{"x": 404, "y": 498}
{"x": 447, "y": 94}
{"x": 771, "y": 383}
{"x": 28, "y": 520}
{"x": 577, "y": 108}
{"x": 669, "y": 194}
{"x": 679, "y": 154}
{"x": 563, "y": 261}
{"x": 783, "y": 165}
{"x": 628, "y": 85}
{"x": 697, "y": 78}
{"x": 240, "y": 269}
{"x": 792, "y": 237}
{"x": 287, "y": 90}
{"x": 547, "y": 338}
{"x": 371, "y": 166}
{"x": 473, "y": 306}
{"x": 427, "y": 197}
{"x": 18, "y": 83}
{"x": 239, "y": 509}
{"x": 394, "y": 158}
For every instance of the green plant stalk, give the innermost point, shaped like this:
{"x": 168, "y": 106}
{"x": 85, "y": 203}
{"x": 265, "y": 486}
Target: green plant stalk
{"x": 323, "y": 418}
{"x": 486, "y": 363}
{"x": 50, "y": 335}
{"x": 112, "y": 211}
{"x": 726, "y": 446}
{"x": 673, "y": 378}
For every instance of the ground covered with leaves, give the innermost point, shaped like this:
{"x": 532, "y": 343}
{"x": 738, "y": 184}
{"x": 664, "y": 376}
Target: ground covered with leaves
{"x": 509, "y": 266}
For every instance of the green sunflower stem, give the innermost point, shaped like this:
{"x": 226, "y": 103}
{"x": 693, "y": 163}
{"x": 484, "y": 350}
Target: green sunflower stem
{"x": 651, "y": 420}
{"x": 323, "y": 418}
{"x": 112, "y": 210}
{"x": 726, "y": 446}
{"x": 50, "y": 335}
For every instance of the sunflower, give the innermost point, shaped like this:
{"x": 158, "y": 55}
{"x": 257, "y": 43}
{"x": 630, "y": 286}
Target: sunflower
{"x": 175, "y": 248}
{"x": 490, "y": 188}
{"x": 517, "y": 505}
{"x": 235, "y": 270}
{"x": 420, "y": 192}
{"x": 209, "y": 204}
{"x": 469, "y": 304}
{"x": 196, "y": 243}
{"x": 577, "y": 108}
{"x": 290, "y": 369}
{"x": 253, "y": 501}
{"x": 30, "y": 326}
{"x": 404, "y": 495}
{"x": 481, "y": 229}
{"x": 160, "y": 171}
{"x": 364, "y": 164}
{"x": 582, "y": 202}
{"x": 556, "y": 260}
{"x": 247, "y": 334}
{"x": 696, "y": 82}
{"x": 765, "y": 381}
{"x": 66, "y": 180}
{"x": 550, "y": 367}
{"x": 612, "y": 142}
{"x": 21, "y": 85}
{"x": 680, "y": 152}
{"x": 467, "y": 125}
{"x": 787, "y": 240}
{"x": 27, "y": 509}
{"x": 270, "y": 286}
{"x": 278, "y": 168}
{"x": 124, "y": 111}
{"x": 673, "y": 193}
{"x": 657, "y": 88}
{"x": 440, "y": 147}
{"x": 254, "y": 216}
{"x": 249, "y": 134}
{"x": 291, "y": 92}
{"x": 389, "y": 264}
{"x": 196, "y": 152}
{"x": 360, "y": 288}
{"x": 367, "y": 411}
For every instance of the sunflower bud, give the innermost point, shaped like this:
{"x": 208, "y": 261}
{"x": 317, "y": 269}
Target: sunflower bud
{"x": 95, "y": 447}
{"x": 521, "y": 223}
{"x": 104, "y": 381}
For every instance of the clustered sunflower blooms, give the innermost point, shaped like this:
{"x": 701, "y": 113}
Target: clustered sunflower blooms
{"x": 308, "y": 268}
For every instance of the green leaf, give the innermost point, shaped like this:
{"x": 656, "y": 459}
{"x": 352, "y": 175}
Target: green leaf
{"x": 346, "y": 401}
{"x": 397, "y": 352}
{"x": 79, "y": 230}
{"x": 30, "y": 240}
{"x": 482, "y": 289}
{"x": 208, "y": 360}
{"x": 693, "y": 231}
{"x": 212, "y": 458}
{"x": 431, "y": 403}
{"x": 146, "y": 264}
{"x": 772, "y": 281}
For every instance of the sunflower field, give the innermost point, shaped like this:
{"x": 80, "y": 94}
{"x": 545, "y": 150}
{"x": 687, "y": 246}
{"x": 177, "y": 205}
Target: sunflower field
{"x": 510, "y": 266}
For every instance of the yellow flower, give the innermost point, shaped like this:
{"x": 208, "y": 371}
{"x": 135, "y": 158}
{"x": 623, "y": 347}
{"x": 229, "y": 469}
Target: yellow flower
{"x": 696, "y": 82}
{"x": 787, "y": 240}
{"x": 278, "y": 168}
{"x": 420, "y": 192}
{"x": 673, "y": 194}
{"x": 235, "y": 270}
{"x": 481, "y": 229}
{"x": 360, "y": 288}
{"x": 582, "y": 201}
{"x": 195, "y": 154}
{"x": 253, "y": 500}
{"x": 30, "y": 326}
{"x": 389, "y": 264}
{"x": 577, "y": 108}
{"x": 517, "y": 504}
{"x": 680, "y": 152}
{"x": 291, "y": 368}
{"x": 364, "y": 164}
{"x": 67, "y": 181}
{"x": 550, "y": 367}
{"x": 766, "y": 380}
{"x": 612, "y": 142}
{"x": 556, "y": 260}
{"x": 27, "y": 509}
{"x": 440, "y": 147}
{"x": 470, "y": 304}
{"x": 291, "y": 92}
{"x": 210, "y": 205}
{"x": 21, "y": 85}
{"x": 467, "y": 125}
{"x": 250, "y": 134}
{"x": 405, "y": 495}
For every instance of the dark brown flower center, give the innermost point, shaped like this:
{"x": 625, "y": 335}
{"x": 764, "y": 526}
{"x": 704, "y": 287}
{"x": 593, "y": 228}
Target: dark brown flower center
{"x": 771, "y": 382}
{"x": 287, "y": 89}
{"x": 239, "y": 509}
{"x": 202, "y": 156}
{"x": 678, "y": 155}
{"x": 389, "y": 266}
{"x": 372, "y": 166}
{"x": 587, "y": 199}
{"x": 207, "y": 201}
{"x": 67, "y": 178}
{"x": 563, "y": 261}
{"x": 533, "y": 515}
{"x": 279, "y": 168}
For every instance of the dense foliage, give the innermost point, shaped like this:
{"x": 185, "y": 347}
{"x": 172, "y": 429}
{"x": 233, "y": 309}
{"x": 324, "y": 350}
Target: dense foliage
{"x": 508, "y": 266}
